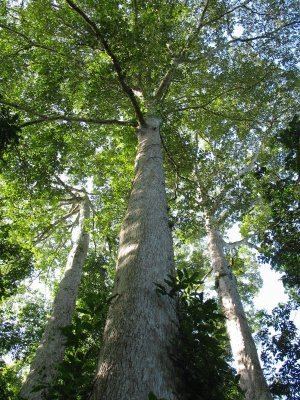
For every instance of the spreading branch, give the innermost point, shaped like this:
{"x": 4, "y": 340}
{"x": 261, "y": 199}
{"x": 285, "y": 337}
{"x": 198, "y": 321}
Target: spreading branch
{"x": 42, "y": 118}
{"x": 117, "y": 66}
{"x": 239, "y": 243}
{"x": 221, "y": 16}
{"x": 70, "y": 189}
{"x": 249, "y": 167}
{"x": 65, "y": 118}
{"x": 168, "y": 77}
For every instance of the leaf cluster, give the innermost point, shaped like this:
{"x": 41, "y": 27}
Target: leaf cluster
{"x": 202, "y": 346}
{"x": 280, "y": 351}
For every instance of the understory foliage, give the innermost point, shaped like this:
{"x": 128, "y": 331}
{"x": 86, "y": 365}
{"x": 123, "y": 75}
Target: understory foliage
{"x": 21, "y": 335}
{"x": 21, "y": 330}
{"x": 202, "y": 356}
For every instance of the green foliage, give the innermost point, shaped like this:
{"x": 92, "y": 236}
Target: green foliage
{"x": 21, "y": 329}
{"x": 279, "y": 339}
{"x": 10, "y": 382}
{"x": 22, "y": 323}
{"x": 202, "y": 347}
{"x": 280, "y": 236}
{"x": 246, "y": 270}
{"x": 16, "y": 263}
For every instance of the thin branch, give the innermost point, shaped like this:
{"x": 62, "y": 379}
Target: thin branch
{"x": 46, "y": 232}
{"x": 70, "y": 189}
{"x": 207, "y": 274}
{"x": 77, "y": 119}
{"x": 68, "y": 118}
{"x": 121, "y": 76}
{"x": 217, "y": 113}
{"x": 236, "y": 244}
{"x": 242, "y": 89}
{"x": 219, "y": 17}
{"x": 19, "y": 107}
{"x": 266, "y": 35}
{"x": 239, "y": 243}
{"x": 167, "y": 79}
{"x": 243, "y": 171}
{"x": 71, "y": 200}
{"x": 32, "y": 43}
{"x": 168, "y": 153}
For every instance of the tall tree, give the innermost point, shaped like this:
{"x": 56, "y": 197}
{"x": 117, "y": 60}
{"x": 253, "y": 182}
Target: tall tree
{"x": 51, "y": 350}
{"x": 221, "y": 198}
{"x": 135, "y": 359}
{"x": 252, "y": 380}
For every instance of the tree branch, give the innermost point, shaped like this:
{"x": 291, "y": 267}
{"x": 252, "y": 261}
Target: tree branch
{"x": 69, "y": 118}
{"x": 70, "y": 189}
{"x": 217, "y": 113}
{"x": 167, "y": 79}
{"x": 32, "y": 43}
{"x": 77, "y": 119}
{"x": 46, "y": 232}
{"x": 266, "y": 35}
{"x": 226, "y": 13}
{"x": 121, "y": 76}
{"x": 243, "y": 171}
{"x": 173, "y": 162}
{"x": 238, "y": 243}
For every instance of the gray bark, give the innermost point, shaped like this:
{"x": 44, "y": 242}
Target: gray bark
{"x": 52, "y": 347}
{"x": 141, "y": 324}
{"x": 252, "y": 380}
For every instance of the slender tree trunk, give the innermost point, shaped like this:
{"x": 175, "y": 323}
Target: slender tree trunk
{"x": 141, "y": 324}
{"x": 51, "y": 350}
{"x": 252, "y": 380}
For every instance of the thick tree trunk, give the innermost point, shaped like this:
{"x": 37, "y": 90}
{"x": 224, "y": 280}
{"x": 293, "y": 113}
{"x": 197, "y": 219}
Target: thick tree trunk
{"x": 135, "y": 358}
{"x": 51, "y": 350}
{"x": 252, "y": 380}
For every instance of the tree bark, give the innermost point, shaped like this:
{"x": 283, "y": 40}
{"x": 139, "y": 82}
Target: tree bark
{"x": 51, "y": 350}
{"x": 252, "y": 380}
{"x": 141, "y": 324}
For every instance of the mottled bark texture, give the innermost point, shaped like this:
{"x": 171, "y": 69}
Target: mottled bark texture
{"x": 141, "y": 324}
{"x": 51, "y": 350}
{"x": 252, "y": 380}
